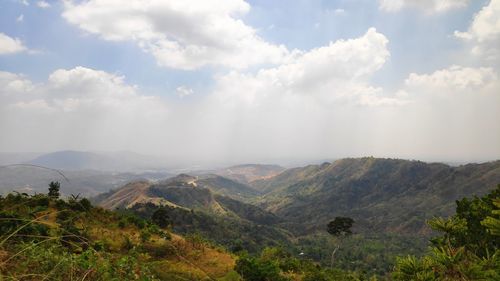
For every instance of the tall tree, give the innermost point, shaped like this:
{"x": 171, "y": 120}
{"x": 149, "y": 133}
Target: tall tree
{"x": 54, "y": 187}
{"x": 340, "y": 227}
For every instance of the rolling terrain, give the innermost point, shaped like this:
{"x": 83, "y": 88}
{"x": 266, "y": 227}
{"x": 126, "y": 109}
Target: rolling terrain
{"x": 196, "y": 206}
{"x": 249, "y": 173}
{"x": 382, "y": 195}
{"x": 390, "y": 201}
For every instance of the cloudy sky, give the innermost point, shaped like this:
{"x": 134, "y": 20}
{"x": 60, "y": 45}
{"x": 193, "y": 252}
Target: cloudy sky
{"x": 252, "y": 81}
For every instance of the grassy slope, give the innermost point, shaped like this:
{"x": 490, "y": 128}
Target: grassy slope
{"x": 42, "y": 238}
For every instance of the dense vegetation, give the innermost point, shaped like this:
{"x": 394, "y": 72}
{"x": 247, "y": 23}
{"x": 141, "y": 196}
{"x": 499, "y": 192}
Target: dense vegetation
{"x": 43, "y": 237}
{"x": 233, "y": 233}
{"x": 468, "y": 249}
{"x": 381, "y": 195}
{"x": 46, "y": 238}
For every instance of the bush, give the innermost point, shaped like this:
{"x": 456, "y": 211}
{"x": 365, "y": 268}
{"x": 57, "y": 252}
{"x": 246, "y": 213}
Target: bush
{"x": 253, "y": 269}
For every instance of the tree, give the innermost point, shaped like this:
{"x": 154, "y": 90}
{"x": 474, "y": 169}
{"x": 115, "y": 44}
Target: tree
{"x": 161, "y": 218}
{"x": 54, "y": 189}
{"x": 340, "y": 227}
{"x": 468, "y": 249}
{"x": 256, "y": 269}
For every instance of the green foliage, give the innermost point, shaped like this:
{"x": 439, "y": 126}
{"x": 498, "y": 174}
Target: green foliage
{"x": 340, "y": 226}
{"x": 255, "y": 269}
{"x": 233, "y": 233}
{"x": 44, "y": 238}
{"x": 492, "y": 223}
{"x": 54, "y": 189}
{"x": 275, "y": 263}
{"x": 161, "y": 217}
{"x": 467, "y": 250}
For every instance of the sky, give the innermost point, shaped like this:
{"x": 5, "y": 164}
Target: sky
{"x": 252, "y": 81}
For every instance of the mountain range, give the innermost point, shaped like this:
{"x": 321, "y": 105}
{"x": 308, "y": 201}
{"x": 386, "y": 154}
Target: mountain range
{"x": 253, "y": 206}
{"x": 382, "y": 195}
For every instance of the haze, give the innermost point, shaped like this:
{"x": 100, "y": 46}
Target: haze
{"x": 252, "y": 81}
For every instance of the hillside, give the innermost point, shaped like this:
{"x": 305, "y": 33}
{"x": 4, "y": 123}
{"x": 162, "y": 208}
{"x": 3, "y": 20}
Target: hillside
{"x": 71, "y": 240}
{"x": 382, "y": 195}
{"x": 192, "y": 192}
{"x": 248, "y": 173}
{"x": 227, "y": 187}
{"x": 194, "y": 207}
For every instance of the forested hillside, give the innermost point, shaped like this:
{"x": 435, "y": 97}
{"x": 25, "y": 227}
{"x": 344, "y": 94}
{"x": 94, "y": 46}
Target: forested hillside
{"x": 382, "y": 195}
{"x": 390, "y": 201}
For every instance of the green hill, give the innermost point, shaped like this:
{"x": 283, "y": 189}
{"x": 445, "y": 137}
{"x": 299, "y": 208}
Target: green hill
{"x": 382, "y": 195}
{"x": 194, "y": 206}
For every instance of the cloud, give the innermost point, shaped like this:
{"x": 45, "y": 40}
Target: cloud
{"x": 320, "y": 102}
{"x": 9, "y": 45}
{"x": 43, "y": 4}
{"x": 77, "y": 108}
{"x": 484, "y": 32}
{"x": 308, "y": 104}
{"x": 430, "y": 6}
{"x": 454, "y": 80}
{"x": 453, "y": 114}
{"x": 182, "y": 34}
{"x": 184, "y": 91}
{"x": 20, "y": 18}
{"x": 339, "y": 11}
{"x": 333, "y": 73}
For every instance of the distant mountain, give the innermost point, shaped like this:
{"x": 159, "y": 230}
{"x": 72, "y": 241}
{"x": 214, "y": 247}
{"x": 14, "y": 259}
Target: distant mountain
{"x": 248, "y": 173}
{"x": 103, "y": 161}
{"x": 382, "y": 195}
{"x": 17, "y": 158}
{"x": 85, "y": 182}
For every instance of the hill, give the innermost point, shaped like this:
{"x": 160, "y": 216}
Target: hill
{"x": 248, "y": 173}
{"x": 382, "y": 195}
{"x": 72, "y": 240}
{"x": 194, "y": 207}
{"x": 192, "y": 192}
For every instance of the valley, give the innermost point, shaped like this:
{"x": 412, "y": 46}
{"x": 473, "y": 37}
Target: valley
{"x": 253, "y": 208}
{"x": 389, "y": 199}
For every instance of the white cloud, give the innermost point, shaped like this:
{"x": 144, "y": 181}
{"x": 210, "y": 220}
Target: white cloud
{"x": 9, "y": 45}
{"x": 20, "y": 18}
{"x": 339, "y": 11}
{"x": 43, "y": 4}
{"x": 454, "y": 80}
{"x": 337, "y": 72}
{"x": 184, "y": 91}
{"x": 453, "y": 115}
{"x": 430, "y": 6}
{"x": 484, "y": 32}
{"x": 308, "y": 104}
{"x": 76, "y": 108}
{"x": 184, "y": 34}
